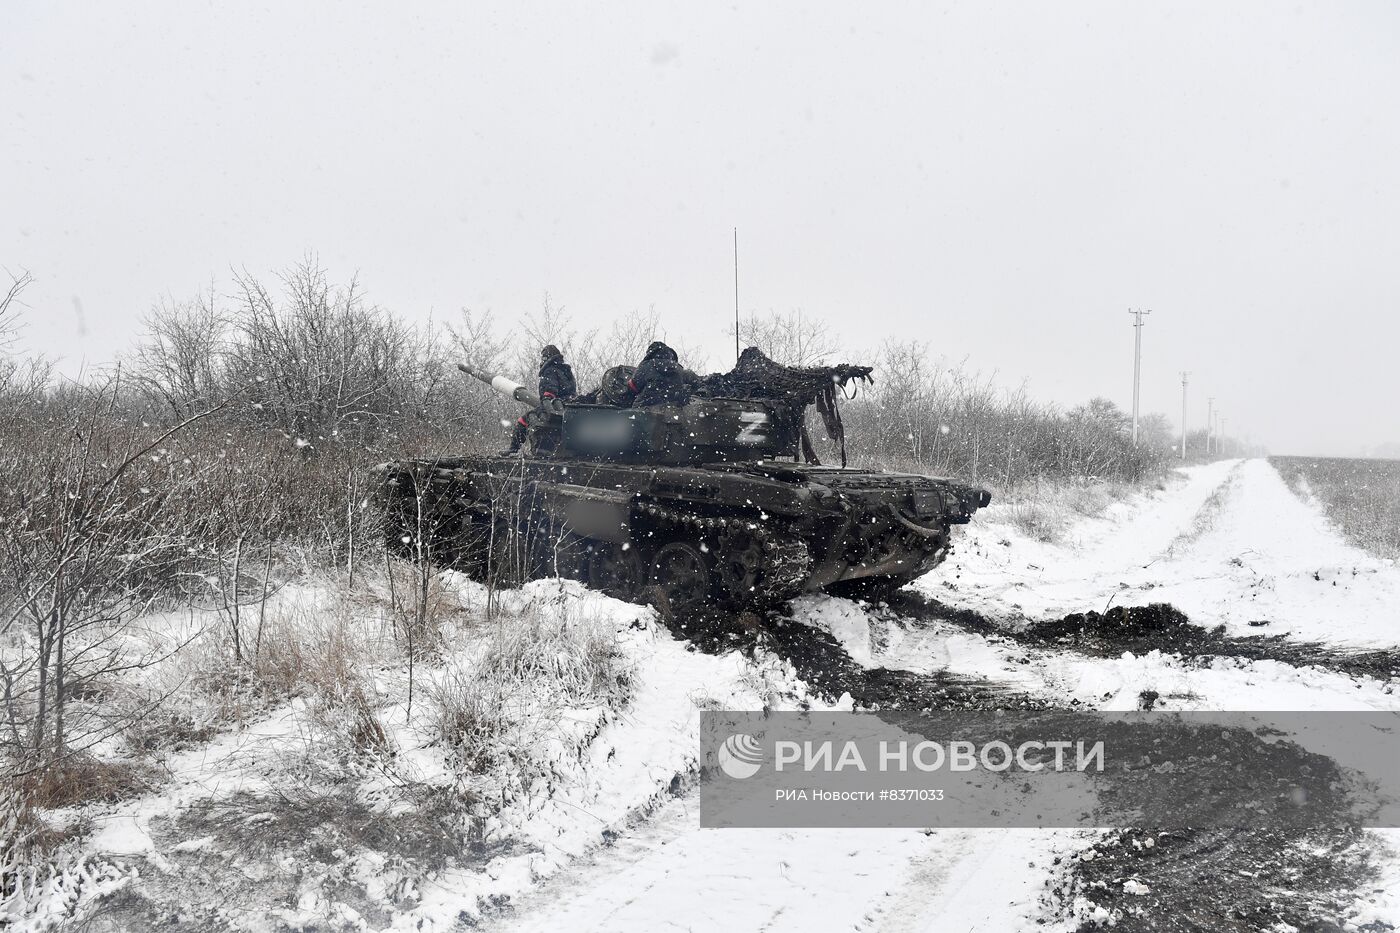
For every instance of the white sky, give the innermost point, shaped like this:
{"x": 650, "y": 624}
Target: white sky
{"x": 1004, "y": 182}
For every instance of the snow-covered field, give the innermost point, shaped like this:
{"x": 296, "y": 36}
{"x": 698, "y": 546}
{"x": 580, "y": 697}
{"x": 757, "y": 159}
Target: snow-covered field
{"x": 605, "y": 835}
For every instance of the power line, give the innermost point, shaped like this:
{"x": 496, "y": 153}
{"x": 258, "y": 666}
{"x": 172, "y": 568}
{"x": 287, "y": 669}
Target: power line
{"x": 1137, "y": 367}
{"x": 1210, "y": 421}
{"x": 1184, "y": 374}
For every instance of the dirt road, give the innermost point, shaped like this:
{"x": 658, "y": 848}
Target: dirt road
{"x": 1228, "y": 544}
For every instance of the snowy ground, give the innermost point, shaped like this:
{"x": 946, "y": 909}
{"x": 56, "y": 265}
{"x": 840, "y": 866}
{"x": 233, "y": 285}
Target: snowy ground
{"x": 1228, "y": 543}
{"x": 609, "y": 839}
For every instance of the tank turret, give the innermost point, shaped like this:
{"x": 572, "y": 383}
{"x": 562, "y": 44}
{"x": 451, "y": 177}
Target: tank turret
{"x": 703, "y": 430}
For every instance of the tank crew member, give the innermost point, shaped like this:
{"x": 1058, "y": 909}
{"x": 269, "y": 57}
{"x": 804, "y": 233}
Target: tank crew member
{"x": 556, "y": 382}
{"x": 661, "y": 379}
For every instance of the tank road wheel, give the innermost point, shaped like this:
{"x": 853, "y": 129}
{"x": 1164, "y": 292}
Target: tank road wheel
{"x": 629, "y": 576}
{"x": 738, "y": 568}
{"x": 683, "y": 574}
{"x": 615, "y": 570}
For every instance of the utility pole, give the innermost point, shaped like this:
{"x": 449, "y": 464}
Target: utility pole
{"x": 1210, "y": 421}
{"x": 1137, "y": 366}
{"x": 1223, "y": 440}
{"x": 1184, "y": 374}
{"x": 736, "y": 294}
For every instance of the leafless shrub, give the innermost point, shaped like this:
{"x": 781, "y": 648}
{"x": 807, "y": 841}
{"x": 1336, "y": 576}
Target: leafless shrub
{"x": 81, "y": 778}
{"x": 1038, "y": 520}
{"x": 500, "y": 713}
{"x": 93, "y": 530}
{"x": 791, "y": 339}
{"x": 182, "y": 360}
{"x": 420, "y": 605}
{"x": 10, "y": 307}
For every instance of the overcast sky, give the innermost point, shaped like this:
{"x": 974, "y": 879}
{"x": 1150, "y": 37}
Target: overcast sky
{"x": 1001, "y": 180}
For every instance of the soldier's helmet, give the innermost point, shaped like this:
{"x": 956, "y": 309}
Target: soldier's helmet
{"x": 550, "y": 352}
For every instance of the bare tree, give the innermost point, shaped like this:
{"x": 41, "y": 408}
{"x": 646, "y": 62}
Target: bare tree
{"x": 321, "y": 365}
{"x": 791, "y": 339}
{"x": 10, "y": 307}
{"x": 183, "y": 360}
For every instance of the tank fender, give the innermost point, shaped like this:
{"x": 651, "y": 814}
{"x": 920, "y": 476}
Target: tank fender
{"x": 593, "y": 513}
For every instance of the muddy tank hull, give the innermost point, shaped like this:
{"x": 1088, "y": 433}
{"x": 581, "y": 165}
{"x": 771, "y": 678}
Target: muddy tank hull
{"x": 721, "y": 534}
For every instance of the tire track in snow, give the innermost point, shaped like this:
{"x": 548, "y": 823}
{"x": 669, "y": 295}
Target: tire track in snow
{"x": 1231, "y": 546}
{"x": 1154, "y": 627}
{"x": 1308, "y": 876}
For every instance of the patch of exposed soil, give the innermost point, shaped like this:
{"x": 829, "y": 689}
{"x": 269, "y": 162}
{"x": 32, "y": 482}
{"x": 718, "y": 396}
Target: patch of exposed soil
{"x": 1221, "y": 880}
{"x": 825, "y": 666}
{"x": 1158, "y": 627}
{"x": 829, "y": 670}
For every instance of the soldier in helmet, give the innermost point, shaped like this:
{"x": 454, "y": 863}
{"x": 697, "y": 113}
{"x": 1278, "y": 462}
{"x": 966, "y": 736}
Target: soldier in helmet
{"x": 556, "y": 382}
{"x": 661, "y": 379}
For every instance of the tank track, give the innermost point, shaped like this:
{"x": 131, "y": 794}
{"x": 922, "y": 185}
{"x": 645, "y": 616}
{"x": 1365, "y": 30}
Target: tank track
{"x": 786, "y": 562}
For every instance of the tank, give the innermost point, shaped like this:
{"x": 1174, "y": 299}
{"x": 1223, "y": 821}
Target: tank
{"x": 694, "y": 506}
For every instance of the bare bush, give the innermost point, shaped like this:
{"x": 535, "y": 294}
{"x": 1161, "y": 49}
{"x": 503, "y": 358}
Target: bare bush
{"x": 320, "y": 364}
{"x": 504, "y": 709}
{"x": 1039, "y": 521}
{"x": 791, "y": 339}
{"x": 91, "y": 536}
{"x": 10, "y": 307}
{"x": 182, "y": 360}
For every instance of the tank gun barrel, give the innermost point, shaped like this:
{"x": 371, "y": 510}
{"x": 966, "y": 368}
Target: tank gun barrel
{"x": 510, "y": 388}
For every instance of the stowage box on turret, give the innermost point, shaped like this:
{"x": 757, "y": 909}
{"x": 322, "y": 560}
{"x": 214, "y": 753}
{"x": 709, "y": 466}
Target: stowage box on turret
{"x": 704, "y": 502}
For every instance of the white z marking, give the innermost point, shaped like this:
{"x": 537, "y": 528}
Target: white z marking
{"x": 751, "y": 425}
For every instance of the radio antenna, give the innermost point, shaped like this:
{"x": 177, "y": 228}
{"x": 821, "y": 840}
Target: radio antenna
{"x": 736, "y": 295}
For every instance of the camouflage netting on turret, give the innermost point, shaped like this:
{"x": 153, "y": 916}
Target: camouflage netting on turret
{"x": 755, "y": 376}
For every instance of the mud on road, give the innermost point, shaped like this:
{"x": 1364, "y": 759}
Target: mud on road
{"x": 828, "y": 669}
{"x": 1156, "y": 627}
{"x": 1303, "y": 874}
{"x": 1221, "y": 880}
